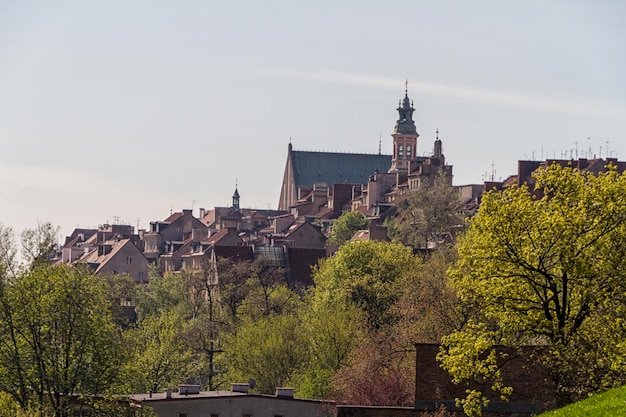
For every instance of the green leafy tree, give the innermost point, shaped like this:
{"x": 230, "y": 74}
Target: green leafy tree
{"x": 270, "y": 349}
{"x": 349, "y": 318}
{"x": 346, "y": 225}
{"x": 160, "y": 358}
{"x": 546, "y": 267}
{"x": 367, "y": 275}
{"x": 429, "y": 307}
{"x": 331, "y": 333}
{"x": 58, "y": 336}
{"x": 426, "y": 213}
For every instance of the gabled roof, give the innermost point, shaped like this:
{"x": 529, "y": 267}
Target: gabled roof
{"x": 173, "y": 217}
{"x": 298, "y": 225}
{"x": 216, "y": 237}
{"x": 100, "y": 261}
{"x": 336, "y": 168}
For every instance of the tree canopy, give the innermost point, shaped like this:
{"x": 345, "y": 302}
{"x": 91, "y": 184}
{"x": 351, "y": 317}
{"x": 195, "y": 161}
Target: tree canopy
{"x": 426, "y": 213}
{"x": 546, "y": 266}
{"x": 58, "y": 336}
{"x": 346, "y": 226}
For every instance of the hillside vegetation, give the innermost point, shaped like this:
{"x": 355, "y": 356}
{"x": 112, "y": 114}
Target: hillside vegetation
{"x": 610, "y": 403}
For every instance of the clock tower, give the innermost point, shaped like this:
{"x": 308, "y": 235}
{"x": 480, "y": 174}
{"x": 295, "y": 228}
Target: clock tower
{"x": 404, "y": 135}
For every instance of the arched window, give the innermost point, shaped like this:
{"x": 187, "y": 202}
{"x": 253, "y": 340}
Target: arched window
{"x": 400, "y": 150}
{"x": 408, "y": 151}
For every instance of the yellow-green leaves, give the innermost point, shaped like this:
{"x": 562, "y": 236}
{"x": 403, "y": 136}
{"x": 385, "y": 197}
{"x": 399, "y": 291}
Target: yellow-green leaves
{"x": 543, "y": 264}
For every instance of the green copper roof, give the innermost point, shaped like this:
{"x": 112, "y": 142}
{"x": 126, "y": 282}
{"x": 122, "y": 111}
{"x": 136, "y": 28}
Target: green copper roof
{"x": 336, "y": 168}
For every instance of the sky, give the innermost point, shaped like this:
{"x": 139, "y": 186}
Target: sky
{"x": 123, "y": 111}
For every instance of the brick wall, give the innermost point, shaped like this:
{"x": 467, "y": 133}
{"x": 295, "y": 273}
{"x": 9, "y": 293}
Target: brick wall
{"x": 532, "y": 387}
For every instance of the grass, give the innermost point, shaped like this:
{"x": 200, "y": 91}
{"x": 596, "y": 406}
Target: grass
{"x": 610, "y": 403}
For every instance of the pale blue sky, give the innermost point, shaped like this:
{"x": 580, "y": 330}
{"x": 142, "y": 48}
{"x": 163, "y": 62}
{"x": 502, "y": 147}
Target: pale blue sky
{"x": 125, "y": 109}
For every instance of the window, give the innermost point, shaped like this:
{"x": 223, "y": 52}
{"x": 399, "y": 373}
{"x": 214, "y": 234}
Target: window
{"x": 129, "y": 260}
{"x": 400, "y": 153}
{"x": 408, "y": 151}
{"x": 215, "y": 415}
{"x": 182, "y": 414}
{"x": 140, "y": 275}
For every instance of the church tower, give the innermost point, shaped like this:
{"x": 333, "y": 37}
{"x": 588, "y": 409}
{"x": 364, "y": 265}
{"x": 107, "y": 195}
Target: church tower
{"x": 404, "y": 135}
{"x": 236, "y": 199}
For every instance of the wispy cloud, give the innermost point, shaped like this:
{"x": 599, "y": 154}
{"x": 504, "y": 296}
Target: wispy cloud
{"x": 581, "y": 106}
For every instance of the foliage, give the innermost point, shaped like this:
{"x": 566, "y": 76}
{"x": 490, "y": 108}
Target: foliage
{"x": 428, "y": 307}
{"x": 330, "y": 333}
{"x": 269, "y": 349}
{"x": 376, "y": 375}
{"x": 425, "y": 214}
{"x": 607, "y": 404}
{"x": 346, "y": 226}
{"x": 365, "y": 274}
{"x": 8, "y": 253}
{"x": 39, "y": 245}
{"x": 58, "y": 336}
{"x": 547, "y": 266}
{"x": 159, "y": 358}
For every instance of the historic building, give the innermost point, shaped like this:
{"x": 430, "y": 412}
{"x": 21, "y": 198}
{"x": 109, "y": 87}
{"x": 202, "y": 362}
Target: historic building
{"x": 309, "y": 170}
{"x": 375, "y": 182}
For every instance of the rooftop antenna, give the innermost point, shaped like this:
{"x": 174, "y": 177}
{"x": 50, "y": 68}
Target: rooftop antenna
{"x": 406, "y": 87}
{"x": 380, "y": 140}
{"x": 493, "y": 171}
{"x": 576, "y": 149}
{"x": 171, "y": 208}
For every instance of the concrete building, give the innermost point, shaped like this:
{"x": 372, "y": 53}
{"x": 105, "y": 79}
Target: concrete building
{"x": 189, "y": 401}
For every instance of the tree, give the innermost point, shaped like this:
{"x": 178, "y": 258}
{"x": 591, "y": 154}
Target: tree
{"x": 159, "y": 358}
{"x": 365, "y": 274}
{"x": 429, "y": 307}
{"x": 8, "y": 254}
{"x": 331, "y": 332}
{"x": 270, "y": 350}
{"x": 546, "y": 267}
{"x": 57, "y": 336}
{"x": 349, "y": 313}
{"x": 374, "y": 376}
{"x": 39, "y": 245}
{"x": 346, "y": 225}
{"x": 426, "y": 213}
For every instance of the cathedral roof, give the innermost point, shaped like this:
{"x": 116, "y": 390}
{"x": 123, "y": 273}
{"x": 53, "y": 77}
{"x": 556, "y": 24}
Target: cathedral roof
{"x": 336, "y": 168}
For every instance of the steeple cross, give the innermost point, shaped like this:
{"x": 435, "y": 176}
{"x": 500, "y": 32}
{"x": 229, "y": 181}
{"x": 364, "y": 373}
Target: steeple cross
{"x": 406, "y": 86}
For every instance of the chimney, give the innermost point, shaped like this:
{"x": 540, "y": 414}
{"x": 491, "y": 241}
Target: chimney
{"x": 186, "y": 389}
{"x": 240, "y": 387}
{"x": 284, "y": 392}
{"x": 168, "y": 394}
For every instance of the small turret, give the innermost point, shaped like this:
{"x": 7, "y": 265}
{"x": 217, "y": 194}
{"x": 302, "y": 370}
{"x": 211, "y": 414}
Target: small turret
{"x": 236, "y": 199}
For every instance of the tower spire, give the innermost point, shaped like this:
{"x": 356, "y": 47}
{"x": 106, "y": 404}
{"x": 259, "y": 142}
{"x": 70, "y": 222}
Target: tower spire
{"x": 404, "y": 134}
{"x": 236, "y": 197}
